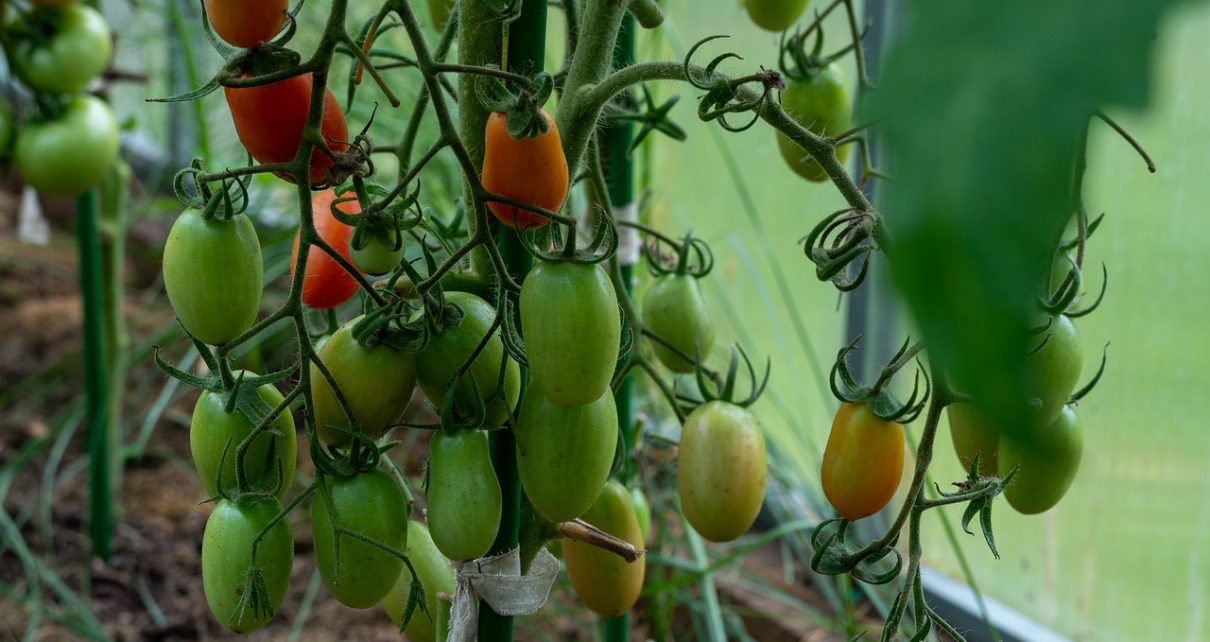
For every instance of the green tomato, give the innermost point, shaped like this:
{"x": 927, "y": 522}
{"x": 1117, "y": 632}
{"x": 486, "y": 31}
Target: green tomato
{"x": 464, "y": 495}
{"x": 436, "y": 576}
{"x": 372, "y": 505}
{"x": 721, "y": 470}
{"x": 775, "y": 15}
{"x": 973, "y": 434}
{"x": 821, "y": 103}
{"x": 376, "y": 382}
{"x": 642, "y": 508}
{"x": 1054, "y": 370}
{"x": 1048, "y": 458}
{"x": 675, "y": 310}
{"x": 214, "y": 275}
{"x": 59, "y": 52}
{"x": 227, "y": 556}
{"x": 607, "y": 584}
{"x": 212, "y": 428}
{"x": 564, "y": 454}
{"x": 572, "y": 330}
{"x": 376, "y": 257}
{"x": 449, "y": 349}
{"x": 69, "y": 154}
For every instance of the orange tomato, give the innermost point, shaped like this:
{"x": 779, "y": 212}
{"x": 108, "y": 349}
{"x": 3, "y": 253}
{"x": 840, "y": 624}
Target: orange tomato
{"x": 246, "y": 23}
{"x": 607, "y": 584}
{"x": 863, "y": 461}
{"x": 530, "y": 170}
{"x": 327, "y": 284}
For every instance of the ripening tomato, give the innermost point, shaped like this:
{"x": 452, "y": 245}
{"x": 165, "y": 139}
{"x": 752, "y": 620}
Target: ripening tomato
{"x": 372, "y": 505}
{"x": 1054, "y": 370}
{"x": 246, "y": 24}
{"x": 435, "y": 575}
{"x": 564, "y": 454}
{"x": 75, "y": 51}
{"x": 270, "y": 119}
{"x": 1048, "y": 458}
{"x": 530, "y": 170}
{"x": 376, "y": 382}
{"x": 227, "y": 557}
{"x": 973, "y": 434}
{"x": 572, "y": 330}
{"x": 863, "y": 461}
{"x": 464, "y": 495}
{"x": 69, "y": 154}
{"x": 821, "y": 103}
{"x": 214, "y": 275}
{"x": 212, "y": 428}
{"x": 449, "y": 349}
{"x": 606, "y": 583}
{"x": 675, "y": 310}
{"x": 721, "y": 470}
{"x": 327, "y": 284}
{"x": 774, "y": 15}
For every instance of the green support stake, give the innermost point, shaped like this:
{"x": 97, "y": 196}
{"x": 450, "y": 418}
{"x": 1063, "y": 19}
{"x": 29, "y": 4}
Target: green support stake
{"x": 619, "y": 174}
{"x": 100, "y": 522}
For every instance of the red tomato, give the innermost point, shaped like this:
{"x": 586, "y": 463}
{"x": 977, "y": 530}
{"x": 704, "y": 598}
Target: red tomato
{"x": 531, "y": 170}
{"x": 270, "y": 119}
{"x": 326, "y": 284}
{"x": 246, "y": 23}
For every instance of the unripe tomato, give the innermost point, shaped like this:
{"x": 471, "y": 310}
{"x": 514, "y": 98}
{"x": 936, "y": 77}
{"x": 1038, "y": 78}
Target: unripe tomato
{"x": 572, "y": 329}
{"x": 435, "y": 575}
{"x": 642, "y": 508}
{"x": 464, "y": 495}
{"x": 606, "y": 583}
{"x": 246, "y": 23}
{"x": 212, "y": 428}
{"x": 530, "y": 170}
{"x": 973, "y": 434}
{"x": 78, "y": 49}
{"x": 270, "y": 119}
{"x": 227, "y": 556}
{"x": 821, "y": 103}
{"x": 564, "y": 454}
{"x": 675, "y": 310}
{"x": 377, "y": 257}
{"x": 1049, "y": 459}
{"x": 1054, "y": 370}
{"x": 775, "y": 15}
{"x": 721, "y": 470}
{"x": 376, "y": 382}
{"x": 863, "y": 461}
{"x": 214, "y": 275}
{"x": 70, "y": 154}
{"x": 369, "y": 504}
{"x": 327, "y": 284}
{"x": 449, "y": 349}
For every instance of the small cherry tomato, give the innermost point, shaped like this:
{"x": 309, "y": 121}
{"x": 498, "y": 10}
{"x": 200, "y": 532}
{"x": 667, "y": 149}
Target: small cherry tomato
{"x": 69, "y": 154}
{"x": 821, "y": 103}
{"x": 246, "y": 23}
{"x": 327, "y": 284}
{"x": 863, "y": 461}
{"x": 675, "y": 310}
{"x": 721, "y": 470}
{"x": 1048, "y": 458}
{"x": 530, "y": 170}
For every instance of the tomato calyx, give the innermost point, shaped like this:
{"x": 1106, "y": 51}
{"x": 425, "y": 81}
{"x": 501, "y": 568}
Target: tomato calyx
{"x": 836, "y": 243}
{"x": 799, "y": 63}
{"x": 881, "y": 402}
{"x": 691, "y": 257}
{"x": 722, "y": 93}
{"x": 228, "y": 51}
{"x": 712, "y": 388}
{"x": 520, "y": 100}
{"x": 381, "y": 225}
{"x": 626, "y": 108}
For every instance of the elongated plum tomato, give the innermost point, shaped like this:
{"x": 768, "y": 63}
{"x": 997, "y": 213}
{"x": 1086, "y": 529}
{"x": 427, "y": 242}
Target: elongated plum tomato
{"x": 436, "y": 576}
{"x": 227, "y": 556}
{"x": 245, "y": 23}
{"x": 269, "y": 120}
{"x": 464, "y": 495}
{"x": 376, "y": 382}
{"x": 327, "y": 284}
{"x": 775, "y": 15}
{"x": 1048, "y": 458}
{"x": 973, "y": 434}
{"x": 821, "y": 103}
{"x": 675, "y": 310}
{"x": 564, "y": 454}
{"x": 606, "y": 583}
{"x": 77, "y": 49}
{"x": 214, "y": 275}
{"x": 451, "y": 346}
{"x": 530, "y": 170}
{"x": 213, "y": 428}
{"x": 863, "y": 461}
{"x": 572, "y": 329}
{"x": 371, "y": 505}
{"x": 1054, "y": 370}
{"x": 69, "y": 154}
{"x": 721, "y": 470}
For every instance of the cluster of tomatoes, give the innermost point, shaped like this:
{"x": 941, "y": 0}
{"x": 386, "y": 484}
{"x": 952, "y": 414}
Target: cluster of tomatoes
{"x": 56, "y": 48}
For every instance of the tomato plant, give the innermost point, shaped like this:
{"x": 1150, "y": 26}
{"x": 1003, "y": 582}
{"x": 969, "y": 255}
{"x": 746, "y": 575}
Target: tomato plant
{"x": 676, "y": 311}
{"x": 435, "y": 575}
{"x": 246, "y": 24}
{"x": 464, "y": 494}
{"x": 60, "y": 51}
{"x": 721, "y": 470}
{"x": 1054, "y": 369}
{"x": 774, "y": 15}
{"x": 821, "y": 103}
{"x": 65, "y": 155}
{"x": 531, "y": 170}
{"x": 227, "y": 547}
{"x": 215, "y": 433}
{"x": 604, "y": 582}
{"x": 862, "y": 462}
{"x": 1048, "y": 459}
{"x": 326, "y": 284}
{"x": 370, "y": 504}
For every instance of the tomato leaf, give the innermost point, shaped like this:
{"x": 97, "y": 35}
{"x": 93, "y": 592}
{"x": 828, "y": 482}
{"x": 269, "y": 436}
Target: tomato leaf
{"x": 983, "y": 108}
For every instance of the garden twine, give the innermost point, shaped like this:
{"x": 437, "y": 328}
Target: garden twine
{"x": 498, "y": 581}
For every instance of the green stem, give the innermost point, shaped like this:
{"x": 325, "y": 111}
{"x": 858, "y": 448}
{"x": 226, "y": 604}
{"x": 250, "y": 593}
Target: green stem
{"x": 479, "y": 43}
{"x": 100, "y": 499}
